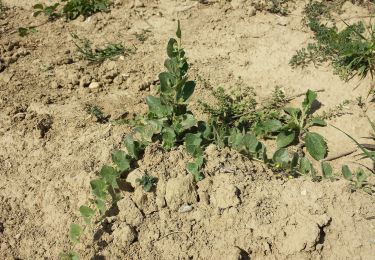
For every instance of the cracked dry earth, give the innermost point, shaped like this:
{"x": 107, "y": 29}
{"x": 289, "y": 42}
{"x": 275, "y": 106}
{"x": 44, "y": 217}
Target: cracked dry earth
{"x": 50, "y": 148}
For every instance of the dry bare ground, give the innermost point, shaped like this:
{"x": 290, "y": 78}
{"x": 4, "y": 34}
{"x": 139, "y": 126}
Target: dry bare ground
{"x": 50, "y": 148}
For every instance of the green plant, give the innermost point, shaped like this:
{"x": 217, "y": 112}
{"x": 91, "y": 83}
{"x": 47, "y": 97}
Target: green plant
{"x": 48, "y": 10}
{"x": 143, "y": 36}
{"x": 360, "y": 180}
{"x": 296, "y": 124}
{"x": 351, "y": 50}
{"x": 147, "y": 182}
{"x": 97, "y": 112}
{"x": 110, "y": 51}
{"x": 24, "y": 31}
{"x": 74, "y": 8}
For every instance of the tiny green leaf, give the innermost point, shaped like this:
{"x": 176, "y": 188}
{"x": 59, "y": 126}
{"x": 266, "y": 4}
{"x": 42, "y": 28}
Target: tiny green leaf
{"x": 316, "y": 145}
{"x": 120, "y": 160}
{"x": 169, "y": 138}
{"x": 132, "y": 146}
{"x": 99, "y": 188}
{"x": 109, "y": 175}
{"x": 86, "y": 213}
{"x": 75, "y": 232}
{"x": 318, "y": 122}
{"x": 327, "y": 170}
{"x": 193, "y": 168}
{"x": 192, "y": 143}
{"x": 305, "y": 166}
{"x": 171, "y": 48}
{"x": 251, "y": 143}
{"x": 309, "y": 99}
{"x": 347, "y": 173}
{"x": 68, "y": 256}
{"x": 361, "y": 176}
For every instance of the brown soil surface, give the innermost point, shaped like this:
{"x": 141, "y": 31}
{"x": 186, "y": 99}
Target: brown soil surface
{"x": 50, "y": 148}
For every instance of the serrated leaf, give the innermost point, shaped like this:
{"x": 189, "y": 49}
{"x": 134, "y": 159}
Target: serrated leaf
{"x": 120, "y": 160}
{"x": 109, "y": 175}
{"x": 169, "y": 138}
{"x": 305, "y": 166}
{"x": 132, "y": 146}
{"x": 171, "y": 48}
{"x": 285, "y": 138}
{"x": 75, "y": 232}
{"x": 99, "y": 188}
{"x": 193, "y": 168}
{"x": 157, "y": 108}
{"x": 310, "y": 97}
{"x": 316, "y": 145}
{"x": 318, "y": 122}
{"x": 327, "y": 170}
{"x": 347, "y": 173}
{"x": 192, "y": 143}
{"x": 87, "y": 213}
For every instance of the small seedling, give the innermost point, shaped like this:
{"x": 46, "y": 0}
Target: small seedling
{"x": 147, "y": 182}
{"x": 142, "y": 36}
{"x": 296, "y": 126}
{"x": 48, "y": 10}
{"x": 74, "y": 8}
{"x": 98, "y": 113}
{"x": 110, "y": 51}
{"x": 359, "y": 180}
{"x": 24, "y": 31}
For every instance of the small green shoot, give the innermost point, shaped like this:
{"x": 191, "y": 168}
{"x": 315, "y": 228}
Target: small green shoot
{"x": 68, "y": 256}
{"x": 98, "y": 113}
{"x": 24, "y": 31}
{"x": 359, "y": 180}
{"x": 147, "y": 182}
{"x": 110, "y": 51}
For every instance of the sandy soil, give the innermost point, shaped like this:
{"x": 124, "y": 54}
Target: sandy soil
{"x": 50, "y": 148}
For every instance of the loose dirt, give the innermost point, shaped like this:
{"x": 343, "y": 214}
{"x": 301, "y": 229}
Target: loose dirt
{"x": 50, "y": 148}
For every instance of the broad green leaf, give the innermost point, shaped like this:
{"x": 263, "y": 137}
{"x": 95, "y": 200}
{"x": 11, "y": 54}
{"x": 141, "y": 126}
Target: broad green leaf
{"x": 192, "y": 143}
{"x": 318, "y": 122}
{"x": 305, "y": 166}
{"x": 120, "y": 160}
{"x": 75, "y": 232}
{"x": 157, "y": 108}
{"x": 99, "y": 188}
{"x": 100, "y": 205}
{"x": 184, "y": 122}
{"x": 285, "y": 138}
{"x": 86, "y": 213}
{"x": 347, "y": 173}
{"x": 166, "y": 82}
{"x": 110, "y": 175}
{"x": 186, "y": 91}
{"x": 294, "y": 161}
{"x": 178, "y": 32}
{"x": 316, "y": 145}
{"x": 172, "y": 66}
{"x": 292, "y": 111}
{"x": 309, "y": 99}
{"x": 133, "y": 147}
{"x": 169, "y": 138}
{"x": 251, "y": 143}
{"x": 171, "y": 48}
{"x": 236, "y": 140}
{"x": 204, "y": 129}
{"x": 272, "y": 125}
{"x": 281, "y": 157}
{"x": 193, "y": 168}
{"x": 327, "y": 170}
